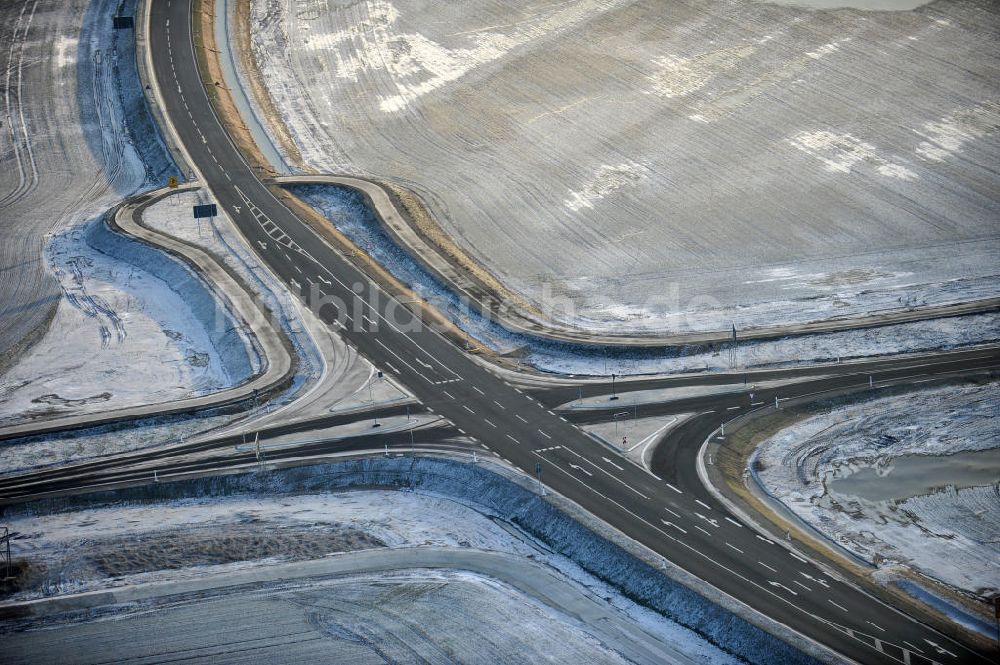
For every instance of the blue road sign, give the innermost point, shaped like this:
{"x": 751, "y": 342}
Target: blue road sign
{"x": 538, "y": 468}
{"x": 206, "y": 210}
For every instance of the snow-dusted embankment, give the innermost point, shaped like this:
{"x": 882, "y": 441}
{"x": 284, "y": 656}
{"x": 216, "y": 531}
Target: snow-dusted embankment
{"x": 909, "y": 480}
{"x": 598, "y": 551}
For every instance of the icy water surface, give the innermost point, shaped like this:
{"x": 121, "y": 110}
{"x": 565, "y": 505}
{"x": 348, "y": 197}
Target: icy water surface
{"x": 873, "y": 5}
{"x": 917, "y": 475}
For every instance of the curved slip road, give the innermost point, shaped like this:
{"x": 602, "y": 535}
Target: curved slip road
{"x": 692, "y": 533}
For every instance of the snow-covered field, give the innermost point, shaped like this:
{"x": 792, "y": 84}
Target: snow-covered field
{"x": 345, "y": 209}
{"x": 667, "y": 167}
{"x": 910, "y": 480}
{"x": 200, "y": 538}
{"x": 130, "y": 325}
{"x": 75, "y": 140}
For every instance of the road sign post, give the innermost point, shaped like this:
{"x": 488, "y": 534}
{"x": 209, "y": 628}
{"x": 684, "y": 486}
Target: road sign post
{"x": 538, "y": 476}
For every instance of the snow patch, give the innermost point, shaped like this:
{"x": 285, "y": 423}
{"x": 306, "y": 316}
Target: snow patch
{"x": 946, "y": 136}
{"x": 840, "y": 153}
{"x": 607, "y": 180}
{"x": 677, "y": 77}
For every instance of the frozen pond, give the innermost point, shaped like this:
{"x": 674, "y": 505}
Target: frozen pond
{"x": 872, "y": 5}
{"x": 917, "y": 475}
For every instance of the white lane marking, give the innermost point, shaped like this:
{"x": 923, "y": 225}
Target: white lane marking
{"x": 703, "y": 531}
{"x": 489, "y": 423}
{"x": 400, "y": 359}
{"x": 580, "y": 468}
{"x": 544, "y": 434}
{"x": 609, "y": 475}
{"x": 395, "y": 371}
{"x": 478, "y": 390}
{"x": 674, "y": 488}
{"x": 520, "y": 418}
{"x": 836, "y": 604}
{"x": 674, "y": 525}
{"x": 468, "y": 409}
{"x": 450, "y": 396}
{"x": 732, "y": 521}
{"x": 431, "y": 410}
{"x": 877, "y": 626}
{"x": 733, "y": 408}
{"x": 702, "y": 504}
{"x": 796, "y": 556}
{"x": 773, "y": 570}
{"x": 677, "y": 515}
{"x": 802, "y": 585}
{"x": 692, "y": 549}
{"x": 513, "y": 439}
{"x": 551, "y": 412}
{"x": 462, "y": 431}
{"x": 913, "y": 646}
{"x": 563, "y": 419}
{"x": 760, "y": 537}
{"x": 517, "y": 390}
{"x": 500, "y": 405}
{"x": 613, "y": 464}
{"x": 735, "y": 548}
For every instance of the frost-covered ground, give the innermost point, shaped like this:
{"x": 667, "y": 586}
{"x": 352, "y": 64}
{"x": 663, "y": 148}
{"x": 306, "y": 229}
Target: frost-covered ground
{"x": 909, "y": 480}
{"x": 75, "y": 140}
{"x": 130, "y": 326}
{"x": 134, "y": 326}
{"x": 200, "y": 538}
{"x": 346, "y": 209}
{"x": 673, "y": 166}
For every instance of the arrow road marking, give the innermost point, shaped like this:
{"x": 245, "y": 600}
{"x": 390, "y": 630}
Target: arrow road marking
{"x": 782, "y": 586}
{"x": 580, "y": 468}
{"x": 674, "y": 525}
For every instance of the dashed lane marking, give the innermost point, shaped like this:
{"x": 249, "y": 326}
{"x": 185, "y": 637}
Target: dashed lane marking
{"x": 773, "y": 570}
{"x": 732, "y": 521}
{"x": 544, "y": 434}
{"x": 702, "y": 504}
{"x": 735, "y": 548}
{"x": 489, "y": 423}
{"x": 674, "y": 488}
{"x": 836, "y": 604}
{"x": 520, "y": 418}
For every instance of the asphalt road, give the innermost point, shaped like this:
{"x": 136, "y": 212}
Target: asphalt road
{"x": 684, "y": 526}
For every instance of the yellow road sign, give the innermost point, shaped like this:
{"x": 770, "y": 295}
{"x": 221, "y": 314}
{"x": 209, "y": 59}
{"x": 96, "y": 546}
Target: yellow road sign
{"x": 172, "y": 182}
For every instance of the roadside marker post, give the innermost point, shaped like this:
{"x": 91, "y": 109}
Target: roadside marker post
{"x": 538, "y": 475}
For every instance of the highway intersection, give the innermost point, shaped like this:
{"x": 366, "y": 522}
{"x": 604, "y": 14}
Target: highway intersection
{"x": 667, "y": 509}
